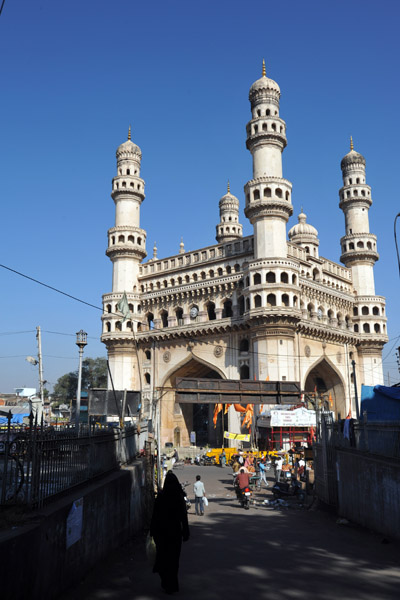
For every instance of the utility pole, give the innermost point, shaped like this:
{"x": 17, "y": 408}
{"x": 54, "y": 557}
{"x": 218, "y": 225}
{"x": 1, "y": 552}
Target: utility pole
{"x": 39, "y": 343}
{"x": 353, "y": 362}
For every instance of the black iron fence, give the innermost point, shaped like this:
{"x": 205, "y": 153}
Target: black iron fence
{"x": 38, "y": 462}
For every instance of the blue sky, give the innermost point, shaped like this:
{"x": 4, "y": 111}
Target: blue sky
{"x": 75, "y": 74}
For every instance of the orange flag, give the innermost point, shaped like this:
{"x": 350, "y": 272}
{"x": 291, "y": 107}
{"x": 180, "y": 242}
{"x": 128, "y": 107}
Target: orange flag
{"x": 239, "y": 408}
{"x": 217, "y": 409}
{"x": 267, "y": 378}
{"x": 330, "y": 400}
{"x": 227, "y": 408}
{"x": 248, "y": 416}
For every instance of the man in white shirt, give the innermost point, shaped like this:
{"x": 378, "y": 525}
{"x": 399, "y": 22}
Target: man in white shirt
{"x": 278, "y": 468}
{"x": 199, "y": 494}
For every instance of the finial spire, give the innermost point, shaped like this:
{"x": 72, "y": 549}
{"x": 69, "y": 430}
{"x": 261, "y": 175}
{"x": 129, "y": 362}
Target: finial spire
{"x": 181, "y": 247}
{"x": 351, "y": 143}
{"x": 154, "y": 251}
{"x": 129, "y": 133}
{"x": 229, "y": 187}
{"x": 264, "y": 72}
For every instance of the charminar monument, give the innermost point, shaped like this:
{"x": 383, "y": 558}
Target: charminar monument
{"x": 264, "y": 307}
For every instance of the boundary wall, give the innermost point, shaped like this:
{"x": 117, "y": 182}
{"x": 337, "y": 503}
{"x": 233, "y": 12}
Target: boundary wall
{"x": 34, "y": 559}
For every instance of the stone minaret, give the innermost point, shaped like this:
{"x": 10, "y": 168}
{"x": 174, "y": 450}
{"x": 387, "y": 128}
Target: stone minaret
{"x": 229, "y": 228}
{"x": 268, "y": 195}
{"x": 358, "y": 245}
{"x": 359, "y": 254}
{"x": 126, "y": 249}
{"x": 271, "y": 299}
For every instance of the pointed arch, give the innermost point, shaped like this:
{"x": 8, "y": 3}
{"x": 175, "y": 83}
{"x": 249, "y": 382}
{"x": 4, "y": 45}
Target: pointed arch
{"x": 324, "y": 376}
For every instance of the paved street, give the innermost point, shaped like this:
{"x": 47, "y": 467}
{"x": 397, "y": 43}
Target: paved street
{"x": 261, "y": 553}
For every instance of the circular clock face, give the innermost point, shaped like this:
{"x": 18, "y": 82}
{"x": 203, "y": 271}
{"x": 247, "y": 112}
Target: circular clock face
{"x": 194, "y": 312}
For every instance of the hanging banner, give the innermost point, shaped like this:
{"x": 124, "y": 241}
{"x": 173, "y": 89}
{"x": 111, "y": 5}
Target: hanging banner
{"x": 242, "y": 437}
{"x": 299, "y": 417}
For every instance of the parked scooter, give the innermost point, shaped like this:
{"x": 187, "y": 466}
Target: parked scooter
{"x": 282, "y": 490}
{"x": 185, "y": 497}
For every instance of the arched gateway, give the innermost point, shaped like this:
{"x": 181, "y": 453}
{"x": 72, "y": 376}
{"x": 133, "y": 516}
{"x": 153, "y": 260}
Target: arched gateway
{"x": 187, "y": 418}
{"x": 325, "y": 380}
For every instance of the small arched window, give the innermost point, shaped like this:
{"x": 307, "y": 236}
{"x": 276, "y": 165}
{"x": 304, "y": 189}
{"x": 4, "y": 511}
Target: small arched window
{"x": 270, "y": 278}
{"x": 244, "y": 372}
{"x": 257, "y": 279}
{"x": 256, "y": 195}
{"x": 285, "y": 300}
{"x": 257, "y": 301}
{"x": 227, "y": 311}
{"x": 271, "y": 300}
{"x": 148, "y": 354}
{"x": 284, "y": 278}
{"x": 366, "y": 328}
{"x": 244, "y": 345}
{"x": 147, "y": 378}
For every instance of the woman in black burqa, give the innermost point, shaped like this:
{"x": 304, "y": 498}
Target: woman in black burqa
{"x": 169, "y": 526}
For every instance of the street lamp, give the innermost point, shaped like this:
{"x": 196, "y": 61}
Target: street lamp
{"x": 81, "y": 341}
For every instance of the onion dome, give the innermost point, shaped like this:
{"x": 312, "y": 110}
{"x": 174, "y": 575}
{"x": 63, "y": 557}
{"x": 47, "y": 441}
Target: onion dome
{"x": 228, "y": 200}
{"x": 352, "y": 157}
{"x": 264, "y": 83}
{"x": 303, "y": 231}
{"x": 128, "y": 148}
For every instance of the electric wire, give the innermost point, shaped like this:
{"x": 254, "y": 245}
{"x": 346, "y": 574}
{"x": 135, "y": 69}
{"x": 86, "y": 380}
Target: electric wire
{"x": 132, "y": 318}
{"x": 2, "y": 6}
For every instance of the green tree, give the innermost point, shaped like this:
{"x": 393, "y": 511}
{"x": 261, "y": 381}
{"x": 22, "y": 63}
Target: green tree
{"x": 94, "y": 375}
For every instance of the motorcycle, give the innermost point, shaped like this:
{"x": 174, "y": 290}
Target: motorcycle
{"x": 244, "y": 496}
{"x": 188, "y": 504}
{"x": 207, "y": 460}
{"x": 281, "y": 490}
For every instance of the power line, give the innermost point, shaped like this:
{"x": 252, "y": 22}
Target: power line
{"x": 1, "y": 7}
{"x": 50, "y": 287}
{"x": 154, "y": 328}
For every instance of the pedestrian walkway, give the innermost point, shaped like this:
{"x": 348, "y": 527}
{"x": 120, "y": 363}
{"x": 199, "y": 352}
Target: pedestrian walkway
{"x": 261, "y": 553}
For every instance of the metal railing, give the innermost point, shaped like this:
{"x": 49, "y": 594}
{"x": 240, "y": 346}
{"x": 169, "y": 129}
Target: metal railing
{"x": 381, "y": 438}
{"x": 38, "y": 462}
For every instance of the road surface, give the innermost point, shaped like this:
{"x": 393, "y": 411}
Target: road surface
{"x": 281, "y": 554}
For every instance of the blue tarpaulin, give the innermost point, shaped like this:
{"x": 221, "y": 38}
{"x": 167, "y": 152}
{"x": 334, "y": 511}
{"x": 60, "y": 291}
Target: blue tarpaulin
{"x": 381, "y": 403}
{"x": 17, "y": 419}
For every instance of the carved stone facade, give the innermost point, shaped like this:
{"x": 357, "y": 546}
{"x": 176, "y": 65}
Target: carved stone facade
{"x": 256, "y": 307}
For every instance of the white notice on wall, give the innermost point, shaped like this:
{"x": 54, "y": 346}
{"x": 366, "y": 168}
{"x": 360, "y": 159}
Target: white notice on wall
{"x": 74, "y": 522}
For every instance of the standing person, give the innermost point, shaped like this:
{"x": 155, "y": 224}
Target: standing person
{"x": 278, "y": 468}
{"x": 199, "y": 494}
{"x": 169, "y": 526}
{"x": 263, "y": 472}
{"x": 222, "y": 458}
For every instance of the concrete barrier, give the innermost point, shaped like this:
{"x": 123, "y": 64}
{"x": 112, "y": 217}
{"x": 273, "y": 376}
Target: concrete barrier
{"x": 35, "y": 561}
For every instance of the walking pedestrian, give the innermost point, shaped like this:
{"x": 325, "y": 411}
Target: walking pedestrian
{"x": 278, "y": 468}
{"x": 199, "y": 495}
{"x": 169, "y": 526}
